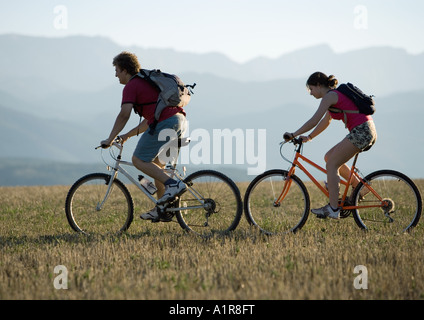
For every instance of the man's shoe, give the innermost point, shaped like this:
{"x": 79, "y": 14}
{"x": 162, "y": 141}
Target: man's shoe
{"x": 151, "y": 215}
{"x": 156, "y": 217}
{"x": 172, "y": 191}
{"x": 327, "y": 211}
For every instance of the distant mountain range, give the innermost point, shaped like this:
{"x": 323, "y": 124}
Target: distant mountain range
{"x": 80, "y": 63}
{"x": 59, "y": 97}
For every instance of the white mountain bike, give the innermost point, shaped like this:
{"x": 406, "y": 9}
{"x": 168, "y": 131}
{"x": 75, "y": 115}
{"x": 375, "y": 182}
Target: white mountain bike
{"x": 101, "y": 203}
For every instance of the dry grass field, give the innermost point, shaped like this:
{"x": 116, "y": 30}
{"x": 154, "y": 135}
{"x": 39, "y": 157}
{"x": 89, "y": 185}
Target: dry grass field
{"x": 160, "y": 261}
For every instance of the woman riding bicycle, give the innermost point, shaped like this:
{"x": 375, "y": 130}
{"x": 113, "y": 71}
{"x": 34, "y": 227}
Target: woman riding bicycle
{"x": 362, "y": 135}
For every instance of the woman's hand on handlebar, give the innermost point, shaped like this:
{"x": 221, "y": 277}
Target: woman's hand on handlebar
{"x": 305, "y": 138}
{"x": 288, "y": 136}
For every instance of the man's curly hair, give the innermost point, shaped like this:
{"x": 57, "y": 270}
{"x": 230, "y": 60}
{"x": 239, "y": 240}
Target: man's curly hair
{"x": 127, "y": 61}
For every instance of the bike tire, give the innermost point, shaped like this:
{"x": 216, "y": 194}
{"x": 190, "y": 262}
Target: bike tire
{"x": 224, "y": 202}
{"x": 403, "y": 203}
{"x": 261, "y": 194}
{"x": 82, "y": 209}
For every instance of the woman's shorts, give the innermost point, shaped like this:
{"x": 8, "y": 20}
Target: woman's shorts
{"x": 149, "y": 146}
{"x": 363, "y": 136}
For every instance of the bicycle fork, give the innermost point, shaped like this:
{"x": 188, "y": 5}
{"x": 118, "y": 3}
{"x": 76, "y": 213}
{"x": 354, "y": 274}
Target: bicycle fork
{"x": 108, "y": 191}
{"x": 286, "y": 188}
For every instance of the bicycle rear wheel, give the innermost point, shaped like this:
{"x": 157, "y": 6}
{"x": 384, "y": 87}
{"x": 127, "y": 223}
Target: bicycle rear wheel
{"x": 401, "y": 198}
{"x": 218, "y": 202}
{"x": 260, "y": 208}
{"x": 89, "y": 212}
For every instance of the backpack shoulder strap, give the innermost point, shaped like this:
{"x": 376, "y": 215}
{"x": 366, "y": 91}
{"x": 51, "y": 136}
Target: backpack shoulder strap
{"x": 337, "y": 110}
{"x": 345, "y": 112}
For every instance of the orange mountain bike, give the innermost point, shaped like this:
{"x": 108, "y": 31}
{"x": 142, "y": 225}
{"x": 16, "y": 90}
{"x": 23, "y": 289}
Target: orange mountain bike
{"x": 277, "y": 201}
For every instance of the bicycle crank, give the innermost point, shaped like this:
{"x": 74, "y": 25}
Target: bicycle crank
{"x": 345, "y": 213}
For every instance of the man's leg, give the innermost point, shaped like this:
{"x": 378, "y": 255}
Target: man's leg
{"x": 159, "y": 185}
{"x": 151, "y": 169}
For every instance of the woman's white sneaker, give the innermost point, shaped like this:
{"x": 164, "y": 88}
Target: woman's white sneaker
{"x": 327, "y": 211}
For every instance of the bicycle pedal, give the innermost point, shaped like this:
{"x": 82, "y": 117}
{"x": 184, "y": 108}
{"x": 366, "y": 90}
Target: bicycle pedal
{"x": 163, "y": 216}
{"x": 320, "y": 216}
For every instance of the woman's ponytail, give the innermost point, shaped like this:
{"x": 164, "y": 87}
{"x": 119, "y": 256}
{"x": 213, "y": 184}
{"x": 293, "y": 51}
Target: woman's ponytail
{"x": 319, "y": 78}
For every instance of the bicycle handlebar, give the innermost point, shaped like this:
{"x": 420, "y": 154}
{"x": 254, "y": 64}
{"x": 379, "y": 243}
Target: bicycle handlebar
{"x": 296, "y": 141}
{"x": 118, "y": 142}
{"x": 288, "y": 139}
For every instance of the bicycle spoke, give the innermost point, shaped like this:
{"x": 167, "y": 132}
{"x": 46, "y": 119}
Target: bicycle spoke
{"x": 89, "y": 210}
{"x": 213, "y": 204}
{"x": 261, "y": 210}
{"x": 399, "y": 209}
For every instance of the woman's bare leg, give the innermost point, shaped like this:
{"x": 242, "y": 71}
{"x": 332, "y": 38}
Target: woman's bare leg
{"x": 336, "y": 163}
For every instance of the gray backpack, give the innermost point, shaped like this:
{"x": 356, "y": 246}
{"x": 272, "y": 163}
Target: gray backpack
{"x": 172, "y": 92}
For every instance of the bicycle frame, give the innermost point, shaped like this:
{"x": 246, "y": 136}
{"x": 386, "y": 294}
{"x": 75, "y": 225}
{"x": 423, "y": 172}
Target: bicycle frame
{"x": 347, "y": 183}
{"x": 118, "y": 168}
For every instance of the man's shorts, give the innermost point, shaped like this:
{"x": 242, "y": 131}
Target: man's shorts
{"x": 149, "y": 146}
{"x": 363, "y": 136}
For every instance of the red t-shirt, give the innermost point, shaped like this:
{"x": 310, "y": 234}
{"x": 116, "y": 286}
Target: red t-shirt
{"x": 138, "y": 91}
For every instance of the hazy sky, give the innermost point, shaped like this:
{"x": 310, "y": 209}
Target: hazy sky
{"x": 240, "y": 29}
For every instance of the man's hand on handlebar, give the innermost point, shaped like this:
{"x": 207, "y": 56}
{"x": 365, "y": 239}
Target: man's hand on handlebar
{"x": 123, "y": 138}
{"x": 105, "y": 143}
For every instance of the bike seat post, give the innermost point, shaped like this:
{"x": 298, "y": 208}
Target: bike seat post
{"x": 182, "y": 142}
{"x": 170, "y": 169}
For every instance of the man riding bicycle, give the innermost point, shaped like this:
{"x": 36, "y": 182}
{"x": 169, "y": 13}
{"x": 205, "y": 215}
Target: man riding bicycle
{"x": 139, "y": 94}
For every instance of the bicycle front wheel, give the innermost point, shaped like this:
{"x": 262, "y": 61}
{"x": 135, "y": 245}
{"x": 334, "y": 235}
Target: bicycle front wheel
{"x": 89, "y": 209}
{"x": 400, "y": 207}
{"x": 213, "y": 204}
{"x": 261, "y": 210}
